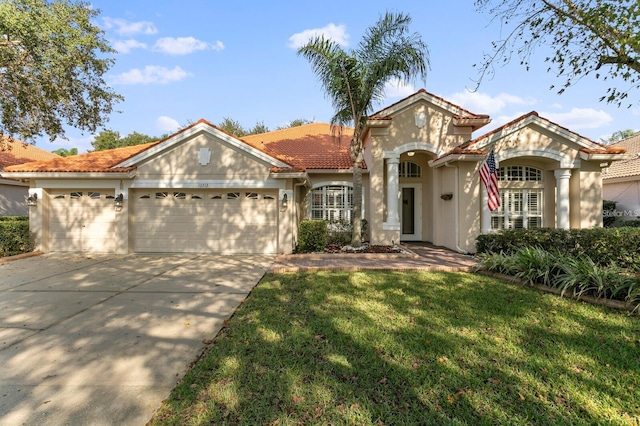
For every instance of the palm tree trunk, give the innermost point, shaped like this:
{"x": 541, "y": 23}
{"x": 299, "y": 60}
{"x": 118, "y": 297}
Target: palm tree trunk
{"x": 356, "y": 219}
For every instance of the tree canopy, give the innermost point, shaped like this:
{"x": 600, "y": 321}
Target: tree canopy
{"x": 64, "y": 152}
{"x": 235, "y": 128}
{"x": 618, "y": 136}
{"x": 52, "y": 63}
{"x": 110, "y": 139}
{"x": 585, "y": 37}
{"x": 355, "y": 80}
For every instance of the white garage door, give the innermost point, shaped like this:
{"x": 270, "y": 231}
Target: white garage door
{"x": 205, "y": 221}
{"x": 82, "y": 221}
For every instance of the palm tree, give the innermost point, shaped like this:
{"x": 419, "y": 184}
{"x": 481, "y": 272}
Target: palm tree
{"x": 355, "y": 80}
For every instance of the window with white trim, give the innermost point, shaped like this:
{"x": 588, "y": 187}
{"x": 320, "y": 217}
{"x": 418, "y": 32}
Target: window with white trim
{"x": 409, "y": 169}
{"x": 520, "y": 207}
{"x": 332, "y": 203}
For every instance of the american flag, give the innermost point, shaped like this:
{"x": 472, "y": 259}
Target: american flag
{"x": 490, "y": 180}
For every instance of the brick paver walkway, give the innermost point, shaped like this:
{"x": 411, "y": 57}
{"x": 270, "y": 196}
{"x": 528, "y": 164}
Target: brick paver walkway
{"x": 418, "y": 256}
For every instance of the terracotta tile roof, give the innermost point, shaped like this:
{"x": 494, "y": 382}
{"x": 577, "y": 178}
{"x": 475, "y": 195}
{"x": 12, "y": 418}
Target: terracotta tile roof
{"x": 625, "y": 168}
{"x": 14, "y": 152}
{"x": 312, "y": 146}
{"x": 96, "y": 162}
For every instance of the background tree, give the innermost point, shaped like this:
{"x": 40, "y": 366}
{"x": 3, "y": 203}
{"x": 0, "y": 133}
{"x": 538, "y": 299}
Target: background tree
{"x": 52, "y": 62}
{"x": 110, "y": 139}
{"x": 598, "y": 37}
{"x": 64, "y": 152}
{"x": 260, "y": 127}
{"x": 233, "y": 127}
{"x": 354, "y": 82}
{"x": 618, "y": 136}
{"x": 295, "y": 123}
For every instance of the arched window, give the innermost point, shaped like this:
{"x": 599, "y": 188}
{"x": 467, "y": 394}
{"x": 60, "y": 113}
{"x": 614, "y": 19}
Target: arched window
{"x": 332, "y": 203}
{"x": 521, "y": 206}
{"x": 519, "y": 174}
{"x": 409, "y": 169}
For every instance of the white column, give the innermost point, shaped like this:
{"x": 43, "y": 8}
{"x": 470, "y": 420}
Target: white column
{"x": 393, "y": 220}
{"x": 562, "y": 198}
{"x": 485, "y": 213}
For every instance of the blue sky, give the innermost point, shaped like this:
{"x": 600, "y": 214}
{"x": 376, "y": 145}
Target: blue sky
{"x": 182, "y": 61}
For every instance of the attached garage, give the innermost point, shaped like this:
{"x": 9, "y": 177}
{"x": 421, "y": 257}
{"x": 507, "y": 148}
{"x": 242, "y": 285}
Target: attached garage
{"x": 82, "y": 221}
{"x": 204, "y": 221}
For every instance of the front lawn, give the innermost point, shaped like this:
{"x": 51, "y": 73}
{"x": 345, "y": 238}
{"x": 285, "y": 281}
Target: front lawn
{"x": 401, "y": 348}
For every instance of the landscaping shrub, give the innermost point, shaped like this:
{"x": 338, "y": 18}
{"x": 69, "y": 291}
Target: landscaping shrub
{"x": 14, "y": 235}
{"x": 578, "y": 275}
{"x": 604, "y": 245}
{"x": 312, "y": 236}
{"x": 635, "y": 223}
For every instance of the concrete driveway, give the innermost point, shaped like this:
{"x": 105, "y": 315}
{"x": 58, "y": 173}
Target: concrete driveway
{"x": 103, "y": 339}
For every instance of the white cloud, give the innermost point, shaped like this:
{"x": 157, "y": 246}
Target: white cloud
{"x": 217, "y": 46}
{"x": 151, "y": 75}
{"x": 398, "y": 89}
{"x": 167, "y": 124}
{"x": 184, "y": 45}
{"x": 337, "y": 33}
{"x": 126, "y": 46}
{"x": 124, "y": 27}
{"x": 482, "y": 103}
{"x": 579, "y": 118}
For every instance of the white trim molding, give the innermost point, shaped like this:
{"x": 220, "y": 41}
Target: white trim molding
{"x": 413, "y": 146}
{"x": 566, "y": 162}
{"x": 209, "y": 130}
{"x": 204, "y": 184}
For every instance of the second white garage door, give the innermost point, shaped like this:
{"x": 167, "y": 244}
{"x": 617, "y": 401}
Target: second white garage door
{"x": 204, "y": 221}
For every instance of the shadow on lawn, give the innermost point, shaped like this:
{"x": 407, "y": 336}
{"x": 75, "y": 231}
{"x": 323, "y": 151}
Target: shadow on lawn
{"x": 411, "y": 348}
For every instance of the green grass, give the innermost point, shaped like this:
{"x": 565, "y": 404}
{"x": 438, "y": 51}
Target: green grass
{"x": 400, "y": 348}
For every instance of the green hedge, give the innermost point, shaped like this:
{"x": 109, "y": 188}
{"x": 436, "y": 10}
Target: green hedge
{"x": 312, "y": 236}
{"x": 14, "y": 218}
{"x": 14, "y": 236}
{"x": 606, "y": 246}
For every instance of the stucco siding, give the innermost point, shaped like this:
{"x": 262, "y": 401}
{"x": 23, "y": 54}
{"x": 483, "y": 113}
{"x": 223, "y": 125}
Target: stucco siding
{"x": 182, "y": 162}
{"x": 626, "y": 194}
{"x": 12, "y": 200}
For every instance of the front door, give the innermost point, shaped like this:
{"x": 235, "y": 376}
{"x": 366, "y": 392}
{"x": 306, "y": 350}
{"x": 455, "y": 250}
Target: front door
{"x": 411, "y": 212}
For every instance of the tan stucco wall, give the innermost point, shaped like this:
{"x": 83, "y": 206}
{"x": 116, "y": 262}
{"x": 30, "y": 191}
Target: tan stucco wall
{"x": 12, "y": 200}
{"x": 402, "y": 136}
{"x": 627, "y": 196}
{"x": 586, "y": 196}
{"x": 227, "y": 162}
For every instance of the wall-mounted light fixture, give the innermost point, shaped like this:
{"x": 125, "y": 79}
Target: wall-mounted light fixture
{"x": 284, "y": 201}
{"x": 447, "y": 196}
{"x": 32, "y": 199}
{"x": 118, "y": 202}
{"x": 411, "y": 153}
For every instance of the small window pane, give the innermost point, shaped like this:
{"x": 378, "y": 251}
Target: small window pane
{"x": 179, "y": 195}
{"x": 196, "y": 197}
{"x": 75, "y": 195}
{"x": 145, "y": 196}
{"x": 161, "y": 195}
{"x": 251, "y": 195}
{"x": 233, "y": 195}
{"x": 93, "y": 195}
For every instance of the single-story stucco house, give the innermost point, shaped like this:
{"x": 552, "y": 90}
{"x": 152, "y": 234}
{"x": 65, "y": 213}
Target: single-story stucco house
{"x": 14, "y": 192}
{"x": 621, "y": 181}
{"x": 203, "y": 190}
